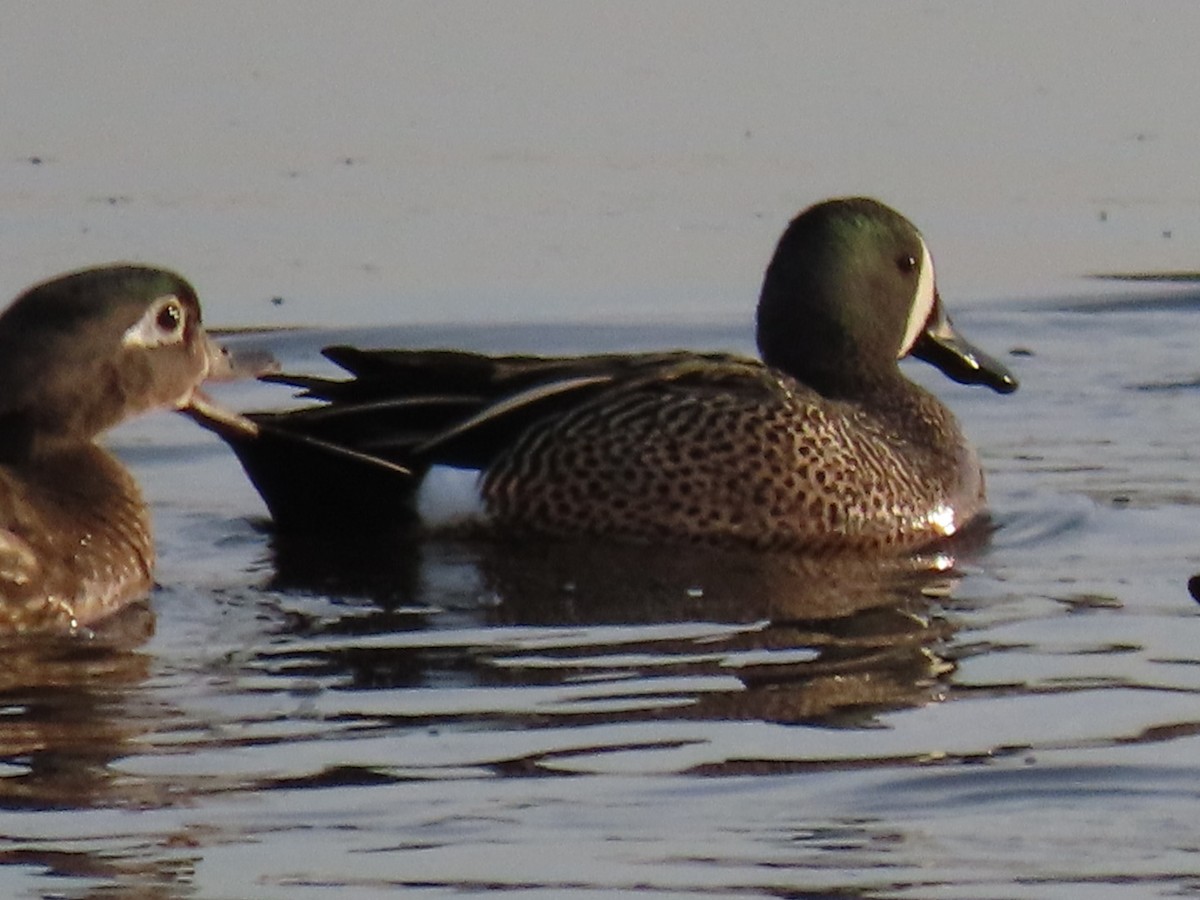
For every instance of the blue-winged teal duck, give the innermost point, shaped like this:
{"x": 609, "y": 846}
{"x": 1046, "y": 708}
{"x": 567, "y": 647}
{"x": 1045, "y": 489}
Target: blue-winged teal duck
{"x": 823, "y": 445}
{"x": 79, "y": 354}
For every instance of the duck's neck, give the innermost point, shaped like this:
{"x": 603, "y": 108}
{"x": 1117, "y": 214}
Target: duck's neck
{"x": 905, "y": 407}
{"x": 847, "y": 380}
{"x": 22, "y": 442}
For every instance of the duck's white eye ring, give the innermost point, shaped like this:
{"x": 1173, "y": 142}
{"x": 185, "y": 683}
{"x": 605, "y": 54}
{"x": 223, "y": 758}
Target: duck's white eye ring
{"x": 162, "y": 323}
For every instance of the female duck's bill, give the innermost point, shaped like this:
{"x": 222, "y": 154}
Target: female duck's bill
{"x": 823, "y": 446}
{"x": 79, "y": 354}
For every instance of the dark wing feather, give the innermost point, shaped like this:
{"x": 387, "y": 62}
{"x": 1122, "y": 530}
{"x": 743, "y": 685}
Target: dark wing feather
{"x": 356, "y": 457}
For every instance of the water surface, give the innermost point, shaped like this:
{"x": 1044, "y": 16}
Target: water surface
{"x": 288, "y": 719}
{"x": 466, "y": 716}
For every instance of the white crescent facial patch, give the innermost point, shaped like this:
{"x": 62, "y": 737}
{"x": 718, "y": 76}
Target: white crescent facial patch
{"x": 922, "y": 305}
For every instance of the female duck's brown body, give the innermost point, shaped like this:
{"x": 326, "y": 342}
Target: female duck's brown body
{"x": 75, "y": 540}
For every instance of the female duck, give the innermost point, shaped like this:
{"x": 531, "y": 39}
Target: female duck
{"x": 79, "y": 354}
{"x": 823, "y": 445}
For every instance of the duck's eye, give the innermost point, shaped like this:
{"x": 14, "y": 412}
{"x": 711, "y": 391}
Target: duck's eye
{"x": 170, "y": 317}
{"x": 906, "y": 263}
{"x": 163, "y": 323}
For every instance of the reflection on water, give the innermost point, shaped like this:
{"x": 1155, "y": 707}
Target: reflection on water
{"x": 379, "y": 663}
{"x": 65, "y": 715}
{"x": 294, "y": 717}
{"x": 653, "y": 636}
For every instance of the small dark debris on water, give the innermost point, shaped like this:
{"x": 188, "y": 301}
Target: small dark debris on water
{"x": 1151, "y": 386}
{"x": 1104, "y": 215}
{"x": 1194, "y": 587}
{"x": 35, "y": 160}
{"x": 1020, "y": 351}
{"x": 1167, "y": 235}
{"x": 1179, "y": 277}
{"x": 277, "y": 301}
{"x": 1085, "y": 602}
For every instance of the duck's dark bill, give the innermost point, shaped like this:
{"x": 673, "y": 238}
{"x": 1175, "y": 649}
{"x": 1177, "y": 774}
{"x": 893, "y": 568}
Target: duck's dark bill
{"x": 941, "y": 346}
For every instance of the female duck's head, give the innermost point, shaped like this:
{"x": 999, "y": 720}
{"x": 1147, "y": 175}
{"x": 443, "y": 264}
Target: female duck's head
{"x": 82, "y": 352}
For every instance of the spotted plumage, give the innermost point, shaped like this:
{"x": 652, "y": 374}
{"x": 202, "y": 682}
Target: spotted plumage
{"x": 668, "y": 460}
{"x": 822, "y": 446}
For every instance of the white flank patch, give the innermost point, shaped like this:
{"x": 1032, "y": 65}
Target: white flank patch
{"x": 450, "y": 497}
{"x": 922, "y": 303}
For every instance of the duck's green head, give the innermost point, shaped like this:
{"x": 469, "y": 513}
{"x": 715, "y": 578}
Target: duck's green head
{"x": 83, "y": 351}
{"x": 850, "y": 291}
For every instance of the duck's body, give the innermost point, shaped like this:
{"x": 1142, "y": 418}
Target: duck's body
{"x": 77, "y": 355}
{"x": 670, "y": 458}
{"x": 823, "y": 445}
{"x": 75, "y": 541}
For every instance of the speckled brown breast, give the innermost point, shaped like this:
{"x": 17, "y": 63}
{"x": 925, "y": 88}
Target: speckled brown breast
{"x": 75, "y": 541}
{"x": 742, "y": 455}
